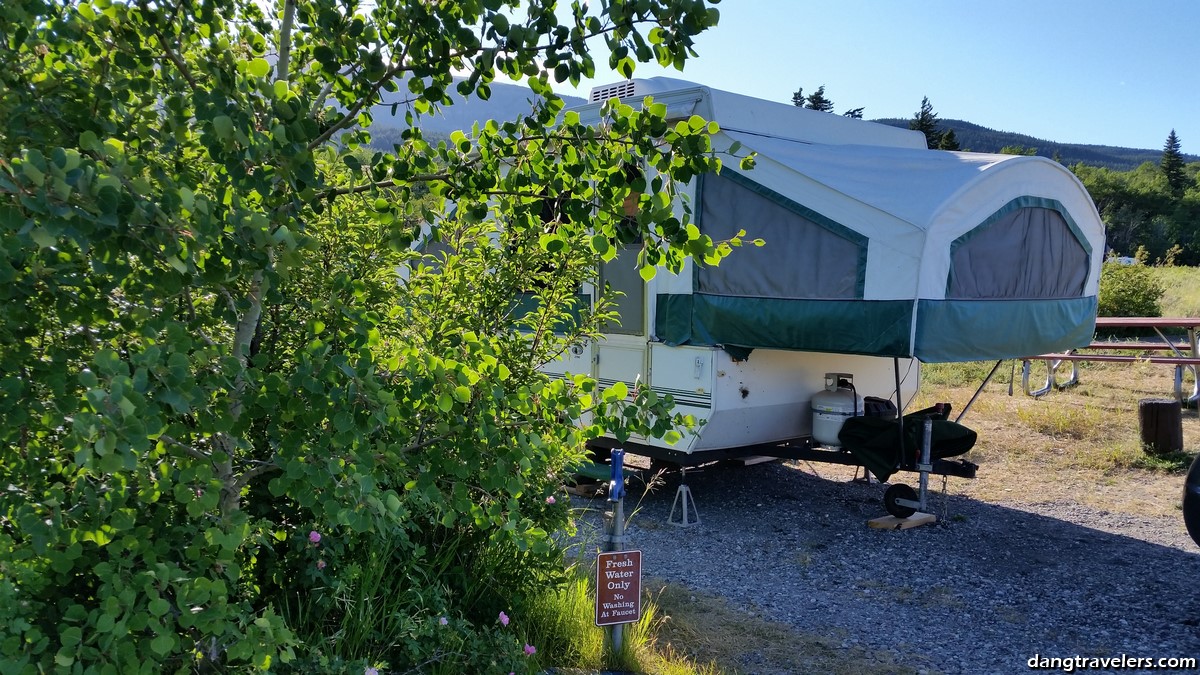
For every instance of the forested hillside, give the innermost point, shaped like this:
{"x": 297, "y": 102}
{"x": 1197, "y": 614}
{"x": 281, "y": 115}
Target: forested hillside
{"x": 976, "y": 138}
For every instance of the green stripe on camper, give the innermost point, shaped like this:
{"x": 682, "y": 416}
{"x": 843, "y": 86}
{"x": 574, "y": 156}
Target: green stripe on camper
{"x": 673, "y": 318}
{"x": 1001, "y": 328}
{"x": 873, "y": 327}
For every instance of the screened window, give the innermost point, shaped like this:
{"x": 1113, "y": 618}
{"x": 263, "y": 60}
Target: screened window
{"x": 806, "y": 255}
{"x": 1028, "y": 253}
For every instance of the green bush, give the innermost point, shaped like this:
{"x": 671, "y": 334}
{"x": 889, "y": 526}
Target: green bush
{"x": 232, "y": 436}
{"x": 1129, "y": 290}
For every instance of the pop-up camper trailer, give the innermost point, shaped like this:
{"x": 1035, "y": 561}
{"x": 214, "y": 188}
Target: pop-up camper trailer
{"x": 879, "y": 254}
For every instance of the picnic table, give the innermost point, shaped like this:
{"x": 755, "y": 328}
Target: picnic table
{"x": 1183, "y": 355}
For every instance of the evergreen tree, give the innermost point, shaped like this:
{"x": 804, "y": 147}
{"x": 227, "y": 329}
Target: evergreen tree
{"x": 947, "y": 140}
{"x": 1172, "y": 164}
{"x": 817, "y": 101}
{"x": 925, "y": 121}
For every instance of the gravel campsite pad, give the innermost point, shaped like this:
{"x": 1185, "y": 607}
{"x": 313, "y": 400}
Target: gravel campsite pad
{"x": 983, "y": 591}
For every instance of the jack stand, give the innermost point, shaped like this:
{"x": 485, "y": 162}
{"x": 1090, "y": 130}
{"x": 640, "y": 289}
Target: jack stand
{"x": 899, "y": 499}
{"x": 683, "y": 496}
{"x": 866, "y": 479}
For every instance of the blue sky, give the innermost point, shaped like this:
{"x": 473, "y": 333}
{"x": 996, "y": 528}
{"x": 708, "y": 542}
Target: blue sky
{"x": 1097, "y": 71}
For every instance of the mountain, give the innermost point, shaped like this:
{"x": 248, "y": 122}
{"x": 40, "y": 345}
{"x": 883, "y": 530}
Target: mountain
{"x": 982, "y": 139}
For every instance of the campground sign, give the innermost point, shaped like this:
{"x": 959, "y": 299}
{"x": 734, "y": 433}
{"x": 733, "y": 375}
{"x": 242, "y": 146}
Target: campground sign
{"x": 618, "y": 587}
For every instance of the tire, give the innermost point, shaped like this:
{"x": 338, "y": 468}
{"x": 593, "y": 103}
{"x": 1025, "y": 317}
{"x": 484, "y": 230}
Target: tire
{"x": 1191, "y": 500}
{"x": 900, "y": 491}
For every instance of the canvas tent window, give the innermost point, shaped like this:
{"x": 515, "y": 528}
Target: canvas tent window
{"x": 1024, "y": 251}
{"x": 806, "y": 256}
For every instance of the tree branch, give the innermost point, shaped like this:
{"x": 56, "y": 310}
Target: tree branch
{"x": 174, "y": 58}
{"x": 246, "y": 478}
{"x": 186, "y": 448}
{"x": 285, "y": 40}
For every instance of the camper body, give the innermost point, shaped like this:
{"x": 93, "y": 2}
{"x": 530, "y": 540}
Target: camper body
{"x": 879, "y": 254}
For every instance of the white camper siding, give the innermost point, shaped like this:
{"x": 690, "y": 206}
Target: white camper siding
{"x": 767, "y": 398}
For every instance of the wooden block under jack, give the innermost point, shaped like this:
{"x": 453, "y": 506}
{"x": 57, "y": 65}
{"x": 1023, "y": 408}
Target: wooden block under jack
{"x": 587, "y": 489}
{"x": 893, "y": 523}
{"x": 756, "y": 459}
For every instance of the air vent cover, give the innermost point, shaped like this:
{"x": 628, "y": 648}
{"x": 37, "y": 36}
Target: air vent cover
{"x": 618, "y": 90}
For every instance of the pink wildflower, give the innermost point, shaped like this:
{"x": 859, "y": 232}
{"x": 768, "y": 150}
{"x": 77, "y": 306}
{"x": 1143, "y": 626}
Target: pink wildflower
{"x": 314, "y": 537}
{"x": 371, "y": 671}
{"x": 530, "y": 650}
{"x": 320, "y": 564}
{"x": 443, "y": 621}
{"x": 503, "y": 619}
{"x": 550, "y": 499}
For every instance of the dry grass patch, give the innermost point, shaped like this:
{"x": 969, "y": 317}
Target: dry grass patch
{"x": 1078, "y": 445}
{"x": 704, "y": 628}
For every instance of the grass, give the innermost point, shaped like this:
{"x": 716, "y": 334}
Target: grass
{"x": 1182, "y": 286}
{"x": 1080, "y": 444}
{"x": 562, "y": 621}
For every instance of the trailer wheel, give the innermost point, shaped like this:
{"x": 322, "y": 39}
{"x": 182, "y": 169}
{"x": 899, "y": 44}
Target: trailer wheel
{"x": 1191, "y": 500}
{"x": 899, "y": 491}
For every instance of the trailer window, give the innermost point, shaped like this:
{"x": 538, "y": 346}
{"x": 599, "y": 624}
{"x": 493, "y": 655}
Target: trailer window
{"x": 806, "y": 256}
{"x": 1022, "y": 252}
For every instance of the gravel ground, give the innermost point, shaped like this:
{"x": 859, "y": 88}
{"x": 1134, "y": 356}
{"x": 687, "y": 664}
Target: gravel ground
{"x": 980, "y": 592}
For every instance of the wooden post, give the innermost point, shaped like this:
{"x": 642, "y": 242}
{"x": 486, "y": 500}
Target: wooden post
{"x": 1161, "y": 423}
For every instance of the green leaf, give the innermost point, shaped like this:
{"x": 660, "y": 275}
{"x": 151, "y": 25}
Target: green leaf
{"x": 392, "y": 502}
{"x": 162, "y": 645}
{"x": 445, "y": 402}
{"x": 462, "y": 394}
{"x": 159, "y": 606}
{"x": 647, "y": 272}
{"x": 600, "y": 244}
{"x": 258, "y": 67}
{"x": 223, "y": 127}
{"x": 41, "y": 237}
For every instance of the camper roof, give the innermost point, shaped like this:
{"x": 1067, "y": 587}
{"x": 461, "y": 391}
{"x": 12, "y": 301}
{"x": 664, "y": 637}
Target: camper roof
{"x": 748, "y": 115}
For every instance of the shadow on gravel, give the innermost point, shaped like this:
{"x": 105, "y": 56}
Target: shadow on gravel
{"x": 983, "y": 591}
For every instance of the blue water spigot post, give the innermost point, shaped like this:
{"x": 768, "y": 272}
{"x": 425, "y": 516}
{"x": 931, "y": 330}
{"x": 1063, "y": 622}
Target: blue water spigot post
{"x": 616, "y": 483}
{"x": 616, "y": 534}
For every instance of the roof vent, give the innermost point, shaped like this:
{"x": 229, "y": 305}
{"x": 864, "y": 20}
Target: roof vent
{"x": 618, "y": 90}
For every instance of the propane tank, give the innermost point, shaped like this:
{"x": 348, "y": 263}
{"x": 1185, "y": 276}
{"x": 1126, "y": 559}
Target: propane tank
{"x": 833, "y": 406}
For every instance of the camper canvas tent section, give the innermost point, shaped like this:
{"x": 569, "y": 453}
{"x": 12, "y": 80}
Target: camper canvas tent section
{"x": 877, "y": 249}
{"x": 930, "y": 254}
